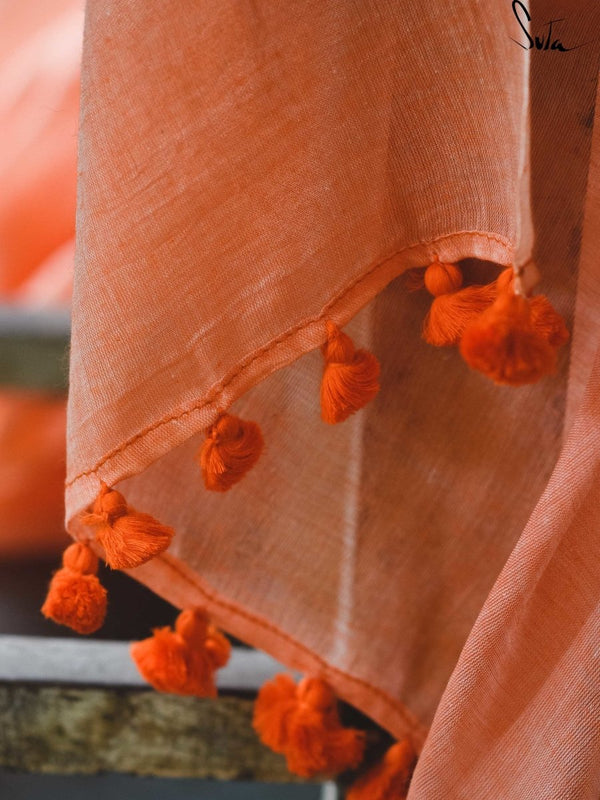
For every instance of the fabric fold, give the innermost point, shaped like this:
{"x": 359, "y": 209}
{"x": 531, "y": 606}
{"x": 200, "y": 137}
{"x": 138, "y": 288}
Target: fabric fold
{"x": 249, "y": 172}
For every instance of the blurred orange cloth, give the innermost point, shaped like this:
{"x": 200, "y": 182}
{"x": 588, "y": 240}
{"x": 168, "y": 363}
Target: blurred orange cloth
{"x": 40, "y": 54}
{"x": 249, "y": 172}
{"x": 32, "y": 473}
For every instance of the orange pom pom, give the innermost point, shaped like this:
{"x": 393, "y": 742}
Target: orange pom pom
{"x": 302, "y": 723}
{"x": 129, "y": 538}
{"x": 76, "y": 597}
{"x": 183, "y": 661}
{"x": 350, "y": 378}
{"x": 452, "y": 308}
{"x": 390, "y": 779}
{"x": 503, "y": 344}
{"x": 231, "y": 449}
{"x": 504, "y": 281}
{"x": 544, "y": 317}
{"x": 442, "y": 278}
{"x": 547, "y": 321}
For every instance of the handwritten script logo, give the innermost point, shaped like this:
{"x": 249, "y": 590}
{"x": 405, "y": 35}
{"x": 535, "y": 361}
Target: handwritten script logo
{"x": 545, "y": 42}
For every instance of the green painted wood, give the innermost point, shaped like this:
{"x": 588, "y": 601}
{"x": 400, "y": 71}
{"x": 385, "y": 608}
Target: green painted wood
{"x": 34, "y": 363}
{"x": 34, "y": 348}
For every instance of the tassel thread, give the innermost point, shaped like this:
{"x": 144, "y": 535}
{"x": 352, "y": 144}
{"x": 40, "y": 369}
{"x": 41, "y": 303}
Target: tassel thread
{"x": 390, "y": 779}
{"x": 129, "y": 537}
{"x": 232, "y": 447}
{"x": 183, "y": 661}
{"x": 350, "y": 377}
{"x": 453, "y": 307}
{"x": 515, "y": 341}
{"x": 302, "y": 723}
{"x": 544, "y": 317}
{"x": 76, "y": 598}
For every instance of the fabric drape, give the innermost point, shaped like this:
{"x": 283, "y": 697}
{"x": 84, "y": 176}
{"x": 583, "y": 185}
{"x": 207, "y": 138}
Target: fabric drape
{"x": 249, "y": 171}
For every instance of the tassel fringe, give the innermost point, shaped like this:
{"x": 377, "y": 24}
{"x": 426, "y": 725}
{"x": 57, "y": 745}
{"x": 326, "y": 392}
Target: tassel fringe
{"x": 231, "y": 449}
{"x": 350, "y": 377}
{"x": 510, "y": 338}
{"x": 453, "y": 307}
{"x": 515, "y": 341}
{"x": 302, "y": 723}
{"x": 129, "y": 537}
{"x": 450, "y": 314}
{"x": 76, "y": 598}
{"x": 390, "y": 779}
{"x": 183, "y": 661}
{"x": 544, "y": 317}
{"x": 546, "y": 320}
{"x": 503, "y": 344}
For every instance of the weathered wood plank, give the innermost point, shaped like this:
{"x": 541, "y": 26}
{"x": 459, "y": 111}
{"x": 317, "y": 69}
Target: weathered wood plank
{"x": 75, "y": 706}
{"x": 75, "y": 730}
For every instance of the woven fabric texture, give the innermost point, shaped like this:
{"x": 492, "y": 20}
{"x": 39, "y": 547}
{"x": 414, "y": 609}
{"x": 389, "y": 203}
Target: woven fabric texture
{"x": 248, "y": 171}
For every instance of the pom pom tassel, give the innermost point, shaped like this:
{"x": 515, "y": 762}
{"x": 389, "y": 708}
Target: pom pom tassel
{"x": 453, "y": 308}
{"x": 515, "y": 341}
{"x": 302, "y": 723}
{"x": 546, "y": 320}
{"x": 544, "y": 317}
{"x": 350, "y": 378}
{"x": 76, "y": 597}
{"x": 183, "y": 661}
{"x": 231, "y": 449}
{"x": 390, "y": 779}
{"x": 129, "y": 537}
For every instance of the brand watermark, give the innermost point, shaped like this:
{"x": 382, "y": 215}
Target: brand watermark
{"x": 547, "y": 41}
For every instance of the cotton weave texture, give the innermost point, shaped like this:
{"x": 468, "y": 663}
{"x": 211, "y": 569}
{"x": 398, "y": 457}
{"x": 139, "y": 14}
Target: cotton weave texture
{"x": 249, "y": 171}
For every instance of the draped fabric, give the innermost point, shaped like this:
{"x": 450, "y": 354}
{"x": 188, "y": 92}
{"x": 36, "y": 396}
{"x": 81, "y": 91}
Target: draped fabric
{"x": 527, "y": 679}
{"x": 249, "y": 171}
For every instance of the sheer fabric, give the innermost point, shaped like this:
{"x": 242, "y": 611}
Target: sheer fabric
{"x": 250, "y": 171}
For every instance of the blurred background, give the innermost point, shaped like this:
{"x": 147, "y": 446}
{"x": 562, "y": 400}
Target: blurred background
{"x": 40, "y": 51}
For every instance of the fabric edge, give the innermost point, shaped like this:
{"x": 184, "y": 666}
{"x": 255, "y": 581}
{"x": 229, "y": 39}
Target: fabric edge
{"x": 148, "y": 446}
{"x": 586, "y": 267}
{"x": 263, "y": 635}
{"x": 133, "y": 456}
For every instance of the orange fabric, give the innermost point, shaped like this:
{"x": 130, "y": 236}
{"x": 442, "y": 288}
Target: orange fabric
{"x": 32, "y": 474}
{"x": 259, "y": 302}
{"x": 530, "y": 666}
{"x": 40, "y": 51}
{"x": 249, "y": 175}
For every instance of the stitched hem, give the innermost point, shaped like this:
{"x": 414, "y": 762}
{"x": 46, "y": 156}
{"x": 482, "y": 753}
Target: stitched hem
{"x": 139, "y": 451}
{"x": 264, "y": 635}
{"x": 133, "y": 456}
